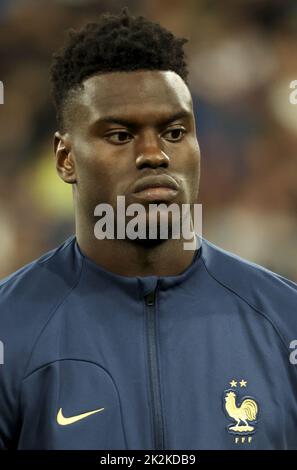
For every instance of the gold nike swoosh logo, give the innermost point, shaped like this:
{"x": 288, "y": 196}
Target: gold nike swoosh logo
{"x": 72, "y": 419}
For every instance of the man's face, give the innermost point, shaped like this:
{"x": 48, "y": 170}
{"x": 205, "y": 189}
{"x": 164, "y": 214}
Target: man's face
{"x": 130, "y": 125}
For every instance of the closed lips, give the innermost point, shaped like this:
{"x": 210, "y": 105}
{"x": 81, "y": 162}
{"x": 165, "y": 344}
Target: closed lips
{"x": 163, "y": 181}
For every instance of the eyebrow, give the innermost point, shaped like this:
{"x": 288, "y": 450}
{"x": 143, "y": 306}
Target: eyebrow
{"x": 131, "y": 123}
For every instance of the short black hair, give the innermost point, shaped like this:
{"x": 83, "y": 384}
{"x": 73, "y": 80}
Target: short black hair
{"x": 116, "y": 43}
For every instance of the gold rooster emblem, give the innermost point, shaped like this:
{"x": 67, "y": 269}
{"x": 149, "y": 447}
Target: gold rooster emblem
{"x": 246, "y": 411}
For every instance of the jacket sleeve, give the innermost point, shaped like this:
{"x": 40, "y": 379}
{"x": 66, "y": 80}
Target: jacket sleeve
{"x": 9, "y": 406}
{"x": 12, "y": 344}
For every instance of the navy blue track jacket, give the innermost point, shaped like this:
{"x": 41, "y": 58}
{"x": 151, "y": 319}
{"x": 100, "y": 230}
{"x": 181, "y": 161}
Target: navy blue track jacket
{"x": 96, "y": 360}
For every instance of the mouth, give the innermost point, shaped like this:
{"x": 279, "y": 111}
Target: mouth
{"x": 157, "y": 194}
{"x": 157, "y": 188}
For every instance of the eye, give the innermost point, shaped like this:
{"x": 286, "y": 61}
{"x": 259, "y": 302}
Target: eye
{"x": 119, "y": 137}
{"x": 175, "y": 135}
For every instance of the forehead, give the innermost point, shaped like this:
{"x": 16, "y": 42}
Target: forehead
{"x": 139, "y": 94}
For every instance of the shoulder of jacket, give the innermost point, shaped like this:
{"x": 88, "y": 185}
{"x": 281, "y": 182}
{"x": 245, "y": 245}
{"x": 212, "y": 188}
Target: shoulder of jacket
{"x": 28, "y": 299}
{"x": 32, "y": 290}
{"x": 267, "y": 292}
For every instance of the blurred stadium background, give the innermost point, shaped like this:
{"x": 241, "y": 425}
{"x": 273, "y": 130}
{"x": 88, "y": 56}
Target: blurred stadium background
{"x": 242, "y": 56}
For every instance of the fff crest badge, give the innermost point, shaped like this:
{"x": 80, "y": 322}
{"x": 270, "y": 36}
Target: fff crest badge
{"x": 242, "y": 411}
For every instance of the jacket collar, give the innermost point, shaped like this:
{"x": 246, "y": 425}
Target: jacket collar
{"x": 144, "y": 284}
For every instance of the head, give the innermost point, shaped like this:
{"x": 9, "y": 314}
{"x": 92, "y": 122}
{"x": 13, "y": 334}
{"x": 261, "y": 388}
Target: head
{"x": 124, "y": 113}
{"x": 230, "y": 396}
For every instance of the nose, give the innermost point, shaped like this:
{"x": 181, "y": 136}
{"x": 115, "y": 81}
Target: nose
{"x": 149, "y": 153}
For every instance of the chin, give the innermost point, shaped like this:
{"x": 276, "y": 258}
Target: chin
{"x": 158, "y": 238}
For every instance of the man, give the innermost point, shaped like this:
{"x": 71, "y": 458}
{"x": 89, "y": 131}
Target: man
{"x": 122, "y": 343}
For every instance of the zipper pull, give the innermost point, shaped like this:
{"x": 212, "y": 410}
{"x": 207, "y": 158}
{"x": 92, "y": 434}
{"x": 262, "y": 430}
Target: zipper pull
{"x": 150, "y": 298}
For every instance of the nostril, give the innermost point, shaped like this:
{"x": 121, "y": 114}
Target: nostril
{"x": 152, "y": 160}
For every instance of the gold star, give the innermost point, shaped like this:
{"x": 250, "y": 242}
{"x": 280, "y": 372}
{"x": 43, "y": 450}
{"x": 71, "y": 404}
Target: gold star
{"x": 233, "y": 383}
{"x": 243, "y": 383}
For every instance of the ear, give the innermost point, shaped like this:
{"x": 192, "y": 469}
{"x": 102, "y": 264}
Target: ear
{"x": 64, "y": 159}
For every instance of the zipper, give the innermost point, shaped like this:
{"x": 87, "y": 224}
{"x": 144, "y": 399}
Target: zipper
{"x": 150, "y": 302}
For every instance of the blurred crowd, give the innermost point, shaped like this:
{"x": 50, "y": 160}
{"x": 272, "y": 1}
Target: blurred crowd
{"x": 242, "y": 57}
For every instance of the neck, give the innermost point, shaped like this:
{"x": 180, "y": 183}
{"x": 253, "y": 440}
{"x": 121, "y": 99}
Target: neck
{"x": 130, "y": 258}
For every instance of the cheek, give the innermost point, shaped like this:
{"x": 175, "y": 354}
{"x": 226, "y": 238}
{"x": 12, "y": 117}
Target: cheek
{"x": 192, "y": 172}
{"x": 99, "y": 161}
{"x": 194, "y": 165}
{"x": 94, "y": 182}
